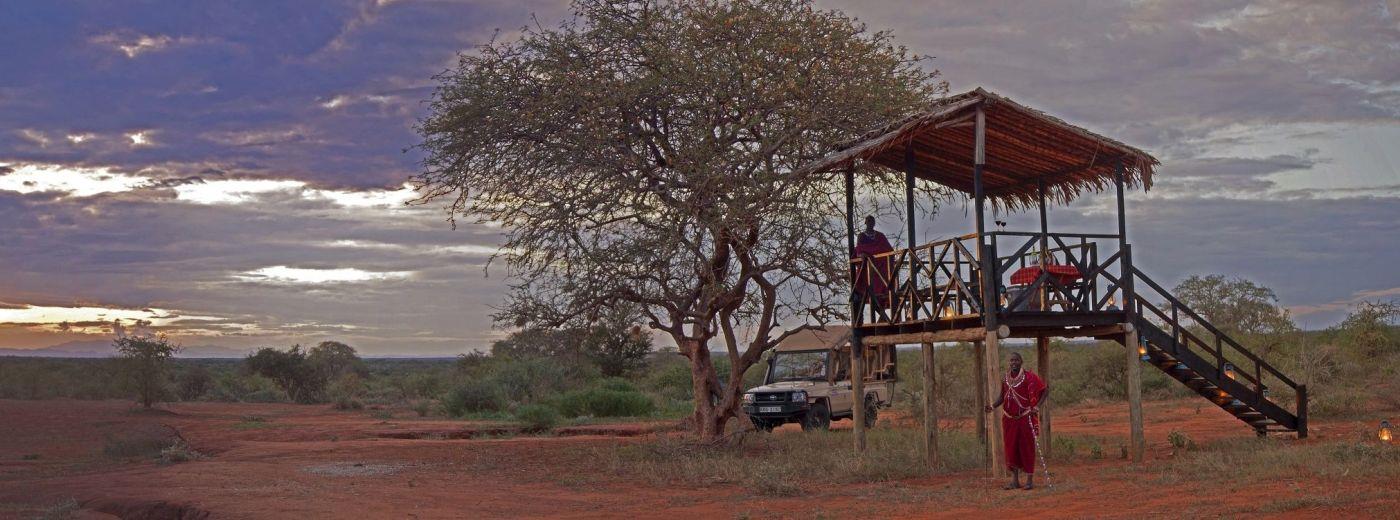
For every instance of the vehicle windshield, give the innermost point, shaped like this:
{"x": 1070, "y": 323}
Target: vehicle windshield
{"x": 798, "y": 366}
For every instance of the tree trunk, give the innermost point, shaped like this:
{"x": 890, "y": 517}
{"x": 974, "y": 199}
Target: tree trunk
{"x": 708, "y": 418}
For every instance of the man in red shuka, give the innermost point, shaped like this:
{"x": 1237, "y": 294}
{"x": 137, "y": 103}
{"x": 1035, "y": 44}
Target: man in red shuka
{"x": 870, "y": 243}
{"x": 1021, "y": 394}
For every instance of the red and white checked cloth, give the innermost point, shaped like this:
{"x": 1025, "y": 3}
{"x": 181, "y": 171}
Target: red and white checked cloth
{"x": 1062, "y": 273}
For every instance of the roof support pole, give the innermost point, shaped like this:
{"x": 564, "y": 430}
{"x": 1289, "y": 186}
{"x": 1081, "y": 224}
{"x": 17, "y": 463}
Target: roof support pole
{"x": 985, "y": 256}
{"x": 857, "y": 350}
{"x": 913, "y": 278}
{"x": 1133, "y": 377}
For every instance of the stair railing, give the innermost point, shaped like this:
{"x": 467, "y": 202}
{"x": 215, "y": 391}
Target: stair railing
{"x": 1183, "y": 336}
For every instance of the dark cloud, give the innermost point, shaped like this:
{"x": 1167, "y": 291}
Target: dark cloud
{"x": 326, "y": 92}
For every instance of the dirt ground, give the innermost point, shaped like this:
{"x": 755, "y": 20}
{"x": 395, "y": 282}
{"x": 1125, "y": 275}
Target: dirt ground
{"x": 294, "y": 461}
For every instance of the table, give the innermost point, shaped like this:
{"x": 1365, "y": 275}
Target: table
{"x": 1063, "y": 274}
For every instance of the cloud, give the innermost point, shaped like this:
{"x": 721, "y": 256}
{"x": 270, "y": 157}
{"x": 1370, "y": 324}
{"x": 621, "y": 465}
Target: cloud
{"x": 1346, "y": 304}
{"x": 281, "y": 274}
{"x": 134, "y": 44}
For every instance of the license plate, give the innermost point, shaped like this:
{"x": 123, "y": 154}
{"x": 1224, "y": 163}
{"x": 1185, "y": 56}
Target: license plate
{"x": 770, "y": 409}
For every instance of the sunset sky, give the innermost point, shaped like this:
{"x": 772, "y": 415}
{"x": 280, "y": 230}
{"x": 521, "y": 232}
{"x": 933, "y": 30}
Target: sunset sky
{"x": 234, "y": 171}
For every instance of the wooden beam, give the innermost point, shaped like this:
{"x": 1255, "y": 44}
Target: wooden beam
{"x": 1042, "y": 362}
{"x": 942, "y": 336}
{"x": 1138, "y": 443}
{"x": 996, "y": 456}
{"x": 1115, "y": 329}
{"x": 930, "y": 407}
{"x": 858, "y": 394}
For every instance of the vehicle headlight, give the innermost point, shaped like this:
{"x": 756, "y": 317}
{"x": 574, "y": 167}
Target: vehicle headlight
{"x": 799, "y": 396}
{"x": 748, "y": 398}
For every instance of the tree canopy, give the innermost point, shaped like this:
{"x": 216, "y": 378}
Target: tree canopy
{"x": 643, "y": 153}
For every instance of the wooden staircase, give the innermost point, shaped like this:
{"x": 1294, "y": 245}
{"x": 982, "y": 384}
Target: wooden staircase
{"x": 1169, "y": 342}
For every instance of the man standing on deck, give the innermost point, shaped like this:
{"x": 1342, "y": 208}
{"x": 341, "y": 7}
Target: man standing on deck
{"x": 870, "y": 280}
{"x": 1021, "y": 394}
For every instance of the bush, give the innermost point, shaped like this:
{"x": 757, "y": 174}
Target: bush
{"x": 345, "y": 402}
{"x": 1180, "y": 440}
{"x": 476, "y": 395}
{"x": 601, "y": 402}
{"x": 179, "y": 452}
{"x": 422, "y": 407}
{"x": 616, "y": 384}
{"x": 194, "y": 382}
{"x": 537, "y": 417}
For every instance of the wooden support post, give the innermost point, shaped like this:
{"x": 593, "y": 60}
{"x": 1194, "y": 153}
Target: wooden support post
{"x": 979, "y": 366}
{"x": 996, "y": 457}
{"x": 1138, "y": 443}
{"x": 930, "y": 407}
{"x": 913, "y": 278}
{"x": 858, "y": 394}
{"x": 1042, "y": 361}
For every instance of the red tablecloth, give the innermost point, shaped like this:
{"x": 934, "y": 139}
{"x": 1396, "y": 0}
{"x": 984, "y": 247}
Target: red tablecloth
{"x": 1062, "y": 273}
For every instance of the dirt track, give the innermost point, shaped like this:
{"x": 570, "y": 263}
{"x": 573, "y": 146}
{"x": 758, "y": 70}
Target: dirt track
{"x": 311, "y": 462}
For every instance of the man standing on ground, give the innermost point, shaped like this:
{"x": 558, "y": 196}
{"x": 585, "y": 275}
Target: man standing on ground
{"x": 1021, "y": 394}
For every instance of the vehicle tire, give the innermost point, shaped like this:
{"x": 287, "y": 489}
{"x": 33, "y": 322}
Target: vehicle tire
{"x": 818, "y": 418}
{"x": 872, "y": 411}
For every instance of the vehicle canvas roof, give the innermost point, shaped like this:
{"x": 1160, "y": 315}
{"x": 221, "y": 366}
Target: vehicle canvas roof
{"x": 832, "y": 337}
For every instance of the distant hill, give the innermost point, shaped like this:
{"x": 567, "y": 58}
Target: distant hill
{"x": 103, "y": 348}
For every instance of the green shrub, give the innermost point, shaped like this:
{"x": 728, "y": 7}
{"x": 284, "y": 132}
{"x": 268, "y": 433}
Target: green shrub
{"x": 601, "y": 402}
{"x": 1180, "y": 440}
{"x": 422, "y": 407}
{"x": 265, "y": 396}
{"x": 475, "y": 395}
{"x": 345, "y": 402}
{"x": 537, "y": 417}
{"x": 617, "y": 384}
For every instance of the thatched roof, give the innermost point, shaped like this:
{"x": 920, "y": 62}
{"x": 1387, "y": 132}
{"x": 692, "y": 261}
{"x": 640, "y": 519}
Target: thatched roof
{"x": 1022, "y": 146}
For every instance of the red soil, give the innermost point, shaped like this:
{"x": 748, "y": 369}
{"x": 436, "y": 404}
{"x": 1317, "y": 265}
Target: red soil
{"x": 312, "y": 462}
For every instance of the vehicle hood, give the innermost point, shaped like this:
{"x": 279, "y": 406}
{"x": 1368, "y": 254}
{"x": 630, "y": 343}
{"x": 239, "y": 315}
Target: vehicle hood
{"x": 785, "y": 386}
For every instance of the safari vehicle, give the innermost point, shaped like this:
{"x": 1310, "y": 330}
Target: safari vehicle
{"x": 808, "y": 382}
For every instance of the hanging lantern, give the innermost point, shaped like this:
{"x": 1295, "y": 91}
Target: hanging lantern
{"x": 1230, "y": 370}
{"x": 1384, "y": 434}
{"x": 1112, "y": 303}
{"x": 1142, "y": 352}
{"x": 947, "y": 312}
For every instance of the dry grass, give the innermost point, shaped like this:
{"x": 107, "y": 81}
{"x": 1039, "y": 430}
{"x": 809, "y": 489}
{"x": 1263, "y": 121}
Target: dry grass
{"x": 782, "y": 464}
{"x": 1253, "y": 460}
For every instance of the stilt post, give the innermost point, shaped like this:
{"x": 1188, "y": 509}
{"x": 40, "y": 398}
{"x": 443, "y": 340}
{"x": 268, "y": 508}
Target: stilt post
{"x": 930, "y": 407}
{"x": 1138, "y": 443}
{"x": 1042, "y": 361}
{"x": 996, "y": 458}
{"x": 980, "y": 367}
{"x": 858, "y": 393}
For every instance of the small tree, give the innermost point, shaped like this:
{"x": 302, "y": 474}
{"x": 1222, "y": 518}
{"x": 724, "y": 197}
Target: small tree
{"x": 289, "y": 369}
{"x": 1240, "y": 308}
{"x": 617, "y": 345}
{"x": 333, "y": 359}
{"x": 144, "y": 361}
{"x": 1370, "y": 328}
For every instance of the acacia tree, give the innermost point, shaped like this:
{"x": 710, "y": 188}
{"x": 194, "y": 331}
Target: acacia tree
{"x": 643, "y": 154}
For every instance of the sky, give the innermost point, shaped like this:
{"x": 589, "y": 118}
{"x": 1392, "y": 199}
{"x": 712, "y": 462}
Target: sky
{"x": 235, "y": 172}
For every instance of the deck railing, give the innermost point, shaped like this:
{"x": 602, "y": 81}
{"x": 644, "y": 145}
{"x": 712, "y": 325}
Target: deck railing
{"x": 942, "y": 280}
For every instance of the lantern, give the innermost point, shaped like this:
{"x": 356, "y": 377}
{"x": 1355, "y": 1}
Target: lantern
{"x": 1384, "y": 433}
{"x": 947, "y": 312}
{"x": 1112, "y": 303}
{"x": 1230, "y": 370}
{"x": 1142, "y": 352}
